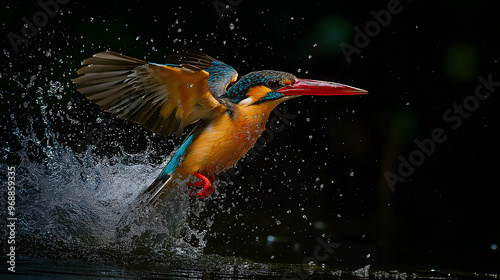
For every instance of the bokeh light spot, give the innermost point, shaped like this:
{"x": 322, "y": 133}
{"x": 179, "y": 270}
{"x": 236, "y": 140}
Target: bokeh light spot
{"x": 331, "y": 31}
{"x": 461, "y": 62}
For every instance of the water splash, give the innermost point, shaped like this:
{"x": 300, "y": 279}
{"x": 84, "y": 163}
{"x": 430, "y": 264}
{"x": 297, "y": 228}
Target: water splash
{"x": 81, "y": 205}
{"x": 363, "y": 272}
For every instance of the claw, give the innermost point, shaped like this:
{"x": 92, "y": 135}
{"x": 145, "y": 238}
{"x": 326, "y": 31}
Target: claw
{"x": 205, "y": 183}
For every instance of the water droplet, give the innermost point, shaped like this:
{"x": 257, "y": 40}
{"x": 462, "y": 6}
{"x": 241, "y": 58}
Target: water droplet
{"x": 231, "y": 26}
{"x": 310, "y": 137}
{"x": 299, "y": 70}
{"x": 351, "y": 174}
{"x": 310, "y": 56}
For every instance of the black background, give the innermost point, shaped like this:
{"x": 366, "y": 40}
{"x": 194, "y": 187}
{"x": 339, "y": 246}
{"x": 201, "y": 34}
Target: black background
{"x": 324, "y": 174}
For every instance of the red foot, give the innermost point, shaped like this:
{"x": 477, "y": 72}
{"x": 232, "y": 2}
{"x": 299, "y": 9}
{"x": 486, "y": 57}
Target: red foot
{"x": 205, "y": 183}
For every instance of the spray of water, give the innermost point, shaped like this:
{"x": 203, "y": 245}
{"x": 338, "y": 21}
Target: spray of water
{"x": 81, "y": 204}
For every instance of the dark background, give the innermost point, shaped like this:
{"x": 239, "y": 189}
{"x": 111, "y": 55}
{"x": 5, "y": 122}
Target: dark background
{"x": 324, "y": 174}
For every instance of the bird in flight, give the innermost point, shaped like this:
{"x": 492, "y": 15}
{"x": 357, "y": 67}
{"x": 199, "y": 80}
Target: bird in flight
{"x": 192, "y": 87}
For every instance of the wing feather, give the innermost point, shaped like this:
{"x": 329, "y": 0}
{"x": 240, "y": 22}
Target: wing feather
{"x": 163, "y": 98}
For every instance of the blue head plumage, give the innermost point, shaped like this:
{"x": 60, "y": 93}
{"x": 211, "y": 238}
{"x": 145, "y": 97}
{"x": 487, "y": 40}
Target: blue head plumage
{"x": 269, "y": 78}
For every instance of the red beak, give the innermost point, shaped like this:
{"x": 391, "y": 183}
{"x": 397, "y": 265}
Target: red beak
{"x": 312, "y": 87}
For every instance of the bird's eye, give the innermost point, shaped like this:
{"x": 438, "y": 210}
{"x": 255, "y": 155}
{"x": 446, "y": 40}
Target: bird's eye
{"x": 273, "y": 84}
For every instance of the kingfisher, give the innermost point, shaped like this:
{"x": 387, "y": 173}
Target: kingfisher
{"x": 228, "y": 115}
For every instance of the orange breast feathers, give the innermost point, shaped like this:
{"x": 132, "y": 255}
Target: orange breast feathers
{"x": 226, "y": 139}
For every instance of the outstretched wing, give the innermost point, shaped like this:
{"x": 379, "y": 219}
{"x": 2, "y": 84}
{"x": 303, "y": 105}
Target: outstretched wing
{"x": 221, "y": 74}
{"x": 163, "y": 98}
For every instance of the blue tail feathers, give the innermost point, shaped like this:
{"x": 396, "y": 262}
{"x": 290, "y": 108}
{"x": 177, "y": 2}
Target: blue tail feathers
{"x": 175, "y": 161}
